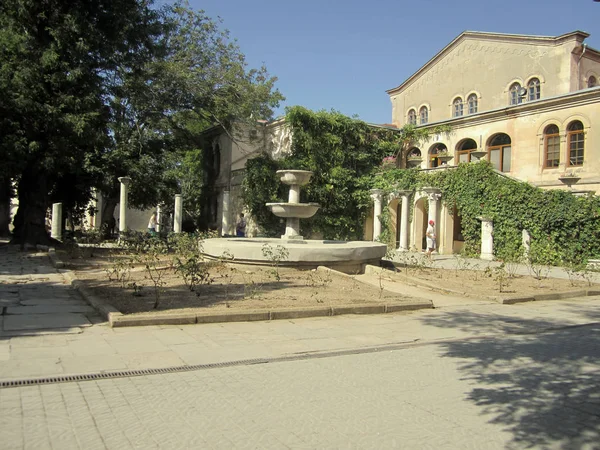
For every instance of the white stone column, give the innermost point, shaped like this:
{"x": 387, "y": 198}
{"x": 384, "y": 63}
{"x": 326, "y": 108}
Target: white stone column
{"x": 123, "y": 203}
{"x": 98, "y": 210}
{"x": 178, "y": 216}
{"x": 403, "y": 244}
{"x": 526, "y": 237}
{"x": 56, "y": 232}
{"x": 158, "y": 218}
{"x": 376, "y": 196}
{"x": 487, "y": 239}
{"x": 225, "y": 216}
{"x": 433, "y": 195}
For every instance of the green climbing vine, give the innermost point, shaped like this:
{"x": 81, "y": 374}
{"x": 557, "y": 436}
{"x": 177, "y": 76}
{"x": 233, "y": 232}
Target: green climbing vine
{"x": 344, "y": 154}
{"x": 349, "y": 157}
{"x": 564, "y": 228}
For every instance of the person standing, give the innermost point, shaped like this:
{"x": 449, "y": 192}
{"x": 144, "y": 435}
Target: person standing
{"x": 240, "y": 226}
{"x": 152, "y": 224}
{"x": 431, "y": 238}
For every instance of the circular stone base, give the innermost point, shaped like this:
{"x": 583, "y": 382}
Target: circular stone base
{"x": 348, "y": 257}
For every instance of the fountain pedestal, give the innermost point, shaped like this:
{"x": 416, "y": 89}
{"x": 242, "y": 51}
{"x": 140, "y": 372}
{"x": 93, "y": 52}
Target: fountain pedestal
{"x": 293, "y": 210}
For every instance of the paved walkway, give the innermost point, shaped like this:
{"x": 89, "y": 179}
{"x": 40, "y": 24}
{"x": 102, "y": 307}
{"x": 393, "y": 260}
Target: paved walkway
{"x": 48, "y": 330}
{"x": 466, "y": 375}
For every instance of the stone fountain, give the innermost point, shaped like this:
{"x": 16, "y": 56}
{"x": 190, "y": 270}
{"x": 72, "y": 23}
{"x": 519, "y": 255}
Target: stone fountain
{"x": 345, "y": 256}
{"x": 293, "y": 210}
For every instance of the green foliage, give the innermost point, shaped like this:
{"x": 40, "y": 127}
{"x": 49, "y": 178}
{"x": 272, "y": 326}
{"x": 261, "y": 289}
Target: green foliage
{"x": 564, "y": 228}
{"x": 343, "y": 154}
{"x": 275, "y": 256}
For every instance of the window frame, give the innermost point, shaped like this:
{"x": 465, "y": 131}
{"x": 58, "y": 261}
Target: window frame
{"x": 570, "y": 134}
{"x": 534, "y": 86}
{"x": 460, "y": 151}
{"x": 472, "y": 104}
{"x": 425, "y": 116}
{"x": 458, "y": 107}
{"x": 513, "y": 94}
{"x": 592, "y": 81}
{"x": 555, "y": 136}
{"x": 501, "y": 149}
{"x": 413, "y": 116}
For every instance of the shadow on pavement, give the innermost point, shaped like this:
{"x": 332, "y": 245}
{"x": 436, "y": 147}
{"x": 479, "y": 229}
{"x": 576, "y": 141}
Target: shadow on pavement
{"x": 543, "y": 388}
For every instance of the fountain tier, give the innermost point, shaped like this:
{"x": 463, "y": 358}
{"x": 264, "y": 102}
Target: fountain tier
{"x": 293, "y": 210}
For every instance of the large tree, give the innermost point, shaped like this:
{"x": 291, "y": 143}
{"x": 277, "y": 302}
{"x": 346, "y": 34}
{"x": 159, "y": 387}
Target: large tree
{"x": 195, "y": 77}
{"x": 57, "y": 58}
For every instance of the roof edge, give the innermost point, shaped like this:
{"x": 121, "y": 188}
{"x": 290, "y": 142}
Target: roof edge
{"x": 489, "y": 36}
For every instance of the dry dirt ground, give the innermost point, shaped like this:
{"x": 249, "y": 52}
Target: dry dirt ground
{"x": 236, "y": 287}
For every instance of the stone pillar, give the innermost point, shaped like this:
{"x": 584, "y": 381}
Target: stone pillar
{"x": 376, "y": 196}
{"x": 433, "y": 196}
{"x": 526, "y": 243}
{"x": 225, "y": 216}
{"x": 158, "y": 218}
{"x": 178, "y": 214}
{"x": 404, "y": 221}
{"x": 123, "y": 203}
{"x": 56, "y": 232}
{"x": 487, "y": 239}
{"x": 98, "y": 211}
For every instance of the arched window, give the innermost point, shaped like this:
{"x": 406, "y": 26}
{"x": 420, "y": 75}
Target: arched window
{"x": 514, "y": 96}
{"x": 433, "y": 160}
{"x": 412, "y": 117}
{"x": 472, "y": 101}
{"x": 592, "y": 81}
{"x": 499, "y": 152}
{"x": 464, "y": 149}
{"x": 575, "y": 143}
{"x": 424, "y": 115}
{"x": 533, "y": 89}
{"x": 551, "y": 146}
{"x": 457, "y": 107}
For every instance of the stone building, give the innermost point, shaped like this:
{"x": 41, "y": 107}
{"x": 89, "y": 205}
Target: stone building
{"x": 528, "y": 104}
{"x": 224, "y": 168}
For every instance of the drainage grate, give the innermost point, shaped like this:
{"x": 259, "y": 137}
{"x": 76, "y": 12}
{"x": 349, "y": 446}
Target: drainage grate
{"x": 166, "y": 370}
{"x": 248, "y": 362}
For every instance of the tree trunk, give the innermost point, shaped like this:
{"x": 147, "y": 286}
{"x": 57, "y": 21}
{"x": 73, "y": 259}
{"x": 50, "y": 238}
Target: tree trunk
{"x": 30, "y": 218}
{"x": 5, "y": 196}
{"x": 108, "y": 213}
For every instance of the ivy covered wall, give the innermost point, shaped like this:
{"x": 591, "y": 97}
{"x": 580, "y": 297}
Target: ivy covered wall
{"x": 346, "y": 157}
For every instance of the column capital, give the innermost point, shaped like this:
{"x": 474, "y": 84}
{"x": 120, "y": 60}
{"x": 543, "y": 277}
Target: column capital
{"x": 124, "y": 180}
{"x": 404, "y": 192}
{"x": 376, "y": 194}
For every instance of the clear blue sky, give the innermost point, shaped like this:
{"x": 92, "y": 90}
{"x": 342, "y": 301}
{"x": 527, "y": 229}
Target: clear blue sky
{"x": 344, "y": 54}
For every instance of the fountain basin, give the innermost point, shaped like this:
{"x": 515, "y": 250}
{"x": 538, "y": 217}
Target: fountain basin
{"x": 294, "y": 177}
{"x": 348, "y": 257}
{"x": 294, "y": 210}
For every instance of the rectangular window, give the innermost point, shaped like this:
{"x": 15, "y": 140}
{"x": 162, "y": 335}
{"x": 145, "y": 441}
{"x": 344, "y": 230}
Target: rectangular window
{"x": 576, "y": 149}
{"x": 506, "y": 159}
{"x": 463, "y": 157}
{"x": 552, "y": 151}
{"x": 495, "y": 158}
{"x": 500, "y": 158}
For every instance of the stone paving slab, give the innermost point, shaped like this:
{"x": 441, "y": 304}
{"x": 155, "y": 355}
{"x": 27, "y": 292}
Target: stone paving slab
{"x": 53, "y": 301}
{"x": 49, "y": 309}
{"x": 44, "y": 321}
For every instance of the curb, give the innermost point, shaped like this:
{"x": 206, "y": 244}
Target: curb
{"x": 124, "y": 320}
{"x": 554, "y": 296}
{"x": 503, "y": 301}
{"x": 117, "y": 319}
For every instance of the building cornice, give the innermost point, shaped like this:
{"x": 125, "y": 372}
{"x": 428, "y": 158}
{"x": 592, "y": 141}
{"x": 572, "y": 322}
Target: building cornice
{"x": 578, "y": 36}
